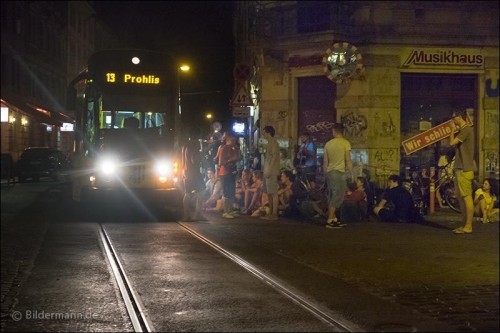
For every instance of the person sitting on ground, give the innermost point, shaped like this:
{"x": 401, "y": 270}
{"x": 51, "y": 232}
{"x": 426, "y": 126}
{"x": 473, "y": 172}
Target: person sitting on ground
{"x": 369, "y": 188}
{"x": 263, "y": 208}
{"x": 396, "y": 204}
{"x": 314, "y": 204}
{"x": 484, "y": 201}
{"x": 285, "y": 192}
{"x": 353, "y": 208}
{"x": 285, "y": 162}
{"x": 213, "y": 191}
{"x": 253, "y": 194}
{"x": 243, "y": 182}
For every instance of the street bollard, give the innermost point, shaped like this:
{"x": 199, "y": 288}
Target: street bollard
{"x": 432, "y": 189}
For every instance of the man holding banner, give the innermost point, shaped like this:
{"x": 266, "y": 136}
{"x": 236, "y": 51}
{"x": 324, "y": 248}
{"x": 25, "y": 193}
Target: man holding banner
{"x": 464, "y": 167}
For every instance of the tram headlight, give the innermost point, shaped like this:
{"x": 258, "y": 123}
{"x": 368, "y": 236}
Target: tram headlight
{"x": 163, "y": 168}
{"x": 108, "y": 166}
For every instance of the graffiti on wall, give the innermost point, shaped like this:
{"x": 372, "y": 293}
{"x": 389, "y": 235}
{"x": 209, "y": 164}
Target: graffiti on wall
{"x": 383, "y": 125}
{"x": 491, "y": 130}
{"x": 318, "y": 123}
{"x": 322, "y": 126}
{"x": 277, "y": 119}
{"x": 354, "y": 124}
{"x": 386, "y": 162}
{"x": 491, "y": 162}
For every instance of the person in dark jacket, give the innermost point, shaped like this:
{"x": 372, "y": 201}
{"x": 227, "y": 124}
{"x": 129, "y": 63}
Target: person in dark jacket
{"x": 396, "y": 204}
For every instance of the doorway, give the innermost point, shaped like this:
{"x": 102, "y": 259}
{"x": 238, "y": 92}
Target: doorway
{"x": 427, "y": 100}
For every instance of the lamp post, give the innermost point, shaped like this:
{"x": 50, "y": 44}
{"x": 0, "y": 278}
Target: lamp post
{"x": 182, "y": 68}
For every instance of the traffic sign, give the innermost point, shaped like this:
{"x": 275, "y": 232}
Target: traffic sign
{"x": 241, "y": 72}
{"x": 241, "y": 112}
{"x": 241, "y": 98}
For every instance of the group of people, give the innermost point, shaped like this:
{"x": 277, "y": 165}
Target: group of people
{"x": 258, "y": 190}
{"x": 280, "y": 189}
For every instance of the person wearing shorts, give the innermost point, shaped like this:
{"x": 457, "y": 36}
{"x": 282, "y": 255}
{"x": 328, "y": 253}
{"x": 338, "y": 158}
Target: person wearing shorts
{"x": 337, "y": 159}
{"x": 464, "y": 167}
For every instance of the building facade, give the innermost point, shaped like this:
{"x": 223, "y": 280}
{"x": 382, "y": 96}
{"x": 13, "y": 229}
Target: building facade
{"x": 388, "y": 70}
{"x": 45, "y": 44}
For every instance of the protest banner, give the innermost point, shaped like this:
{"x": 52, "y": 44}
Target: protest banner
{"x": 427, "y": 138}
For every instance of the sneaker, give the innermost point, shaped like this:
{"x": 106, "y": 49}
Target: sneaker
{"x": 235, "y": 213}
{"x": 227, "y": 216}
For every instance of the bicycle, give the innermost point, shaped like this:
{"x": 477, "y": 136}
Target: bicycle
{"x": 446, "y": 185}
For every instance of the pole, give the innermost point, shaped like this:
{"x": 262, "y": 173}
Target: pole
{"x": 179, "y": 91}
{"x": 432, "y": 190}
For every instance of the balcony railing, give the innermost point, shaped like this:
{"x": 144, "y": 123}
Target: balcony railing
{"x": 284, "y": 19}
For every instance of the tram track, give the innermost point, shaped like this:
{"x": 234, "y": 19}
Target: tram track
{"x": 137, "y": 311}
{"x": 332, "y": 320}
{"x": 133, "y": 303}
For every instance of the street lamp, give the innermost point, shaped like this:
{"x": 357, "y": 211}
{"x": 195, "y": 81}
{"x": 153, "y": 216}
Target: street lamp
{"x": 209, "y": 116}
{"x": 183, "y": 68}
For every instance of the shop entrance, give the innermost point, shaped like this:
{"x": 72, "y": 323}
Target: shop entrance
{"x": 427, "y": 100}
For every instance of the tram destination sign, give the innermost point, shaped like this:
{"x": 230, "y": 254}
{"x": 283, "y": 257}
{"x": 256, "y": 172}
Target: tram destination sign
{"x": 132, "y": 78}
{"x": 427, "y": 138}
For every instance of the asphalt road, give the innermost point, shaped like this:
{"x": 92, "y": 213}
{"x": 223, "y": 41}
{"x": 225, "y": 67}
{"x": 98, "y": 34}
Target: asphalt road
{"x": 383, "y": 277}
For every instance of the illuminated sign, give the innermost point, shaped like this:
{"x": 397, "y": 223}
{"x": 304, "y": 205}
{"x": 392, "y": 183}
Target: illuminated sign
{"x": 132, "y": 79}
{"x": 442, "y": 57}
{"x": 427, "y": 138}
{"x": 5, "y": 115}
{"x": 67, "y": 127}
{"x": 239, "y": 128}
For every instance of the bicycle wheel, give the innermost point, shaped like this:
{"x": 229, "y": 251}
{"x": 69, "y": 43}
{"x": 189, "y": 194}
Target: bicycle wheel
{"x": 451, "y": 197}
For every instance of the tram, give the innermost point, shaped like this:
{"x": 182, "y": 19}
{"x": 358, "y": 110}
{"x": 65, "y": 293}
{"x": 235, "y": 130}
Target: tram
{"x": 127, "y": 123}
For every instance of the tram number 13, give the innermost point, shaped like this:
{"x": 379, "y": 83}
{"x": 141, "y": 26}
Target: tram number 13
{"x": 110, "y": 77}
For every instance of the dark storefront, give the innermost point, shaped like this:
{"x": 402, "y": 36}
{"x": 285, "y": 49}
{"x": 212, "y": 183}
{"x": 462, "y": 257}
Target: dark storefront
{"x": 427, "y": 100}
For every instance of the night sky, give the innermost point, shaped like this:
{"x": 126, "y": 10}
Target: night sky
{"x": 197, "y": 32}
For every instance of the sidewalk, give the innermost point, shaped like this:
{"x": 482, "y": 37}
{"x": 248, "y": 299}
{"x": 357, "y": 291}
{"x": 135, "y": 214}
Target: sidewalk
{"x": 21, "y": 235}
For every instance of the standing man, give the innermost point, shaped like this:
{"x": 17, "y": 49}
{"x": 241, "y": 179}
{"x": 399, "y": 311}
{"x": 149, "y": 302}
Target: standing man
{"x": 464, "y": 167}
{"x": 337, "y": 158}
{"x": 228, "y": 155}
{"x": 271, "y": 172}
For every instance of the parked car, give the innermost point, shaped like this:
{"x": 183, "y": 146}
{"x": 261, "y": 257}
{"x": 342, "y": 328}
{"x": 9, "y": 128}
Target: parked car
{"x": 38, "y": 162}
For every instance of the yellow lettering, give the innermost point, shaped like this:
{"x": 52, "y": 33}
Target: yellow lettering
{"x": 143, "y": 79}
{"x": 110, "y": 77}
{"x": 426, "y": 138}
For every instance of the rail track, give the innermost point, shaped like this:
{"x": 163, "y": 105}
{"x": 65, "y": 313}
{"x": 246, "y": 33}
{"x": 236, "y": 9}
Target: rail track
{"x": 138, "y": 314}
